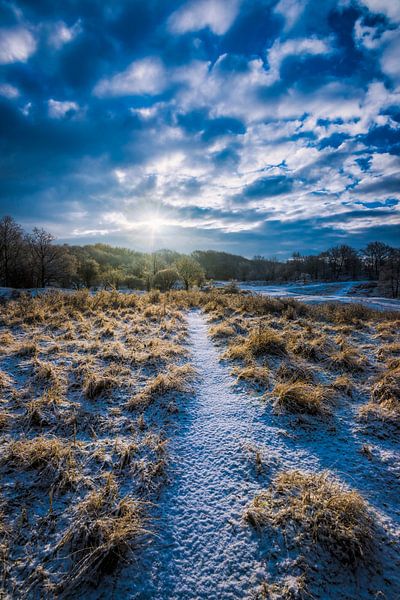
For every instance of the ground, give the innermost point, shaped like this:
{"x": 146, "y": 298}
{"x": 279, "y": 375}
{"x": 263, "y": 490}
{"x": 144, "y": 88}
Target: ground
{"x": 198, "y": 445}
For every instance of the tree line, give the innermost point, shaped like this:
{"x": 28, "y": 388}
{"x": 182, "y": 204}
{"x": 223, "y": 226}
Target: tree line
{"x": 34, "y": 260}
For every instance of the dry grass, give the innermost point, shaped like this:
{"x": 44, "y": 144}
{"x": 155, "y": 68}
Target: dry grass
{"x": 301, "y": 397}
{"x": 385, "y": 397}
{"x": 175, "y": 380}
{"x": 53, "y": 458}
{"x": 104, "y": 530}
{"x": 222, "y": 330}
{"x": 260, "y": 342}
{"x": 254, "y": 374}
{"x": 347, "y": 360}
{"x": 291, "y": 372}
{"x": 317, "y": 513}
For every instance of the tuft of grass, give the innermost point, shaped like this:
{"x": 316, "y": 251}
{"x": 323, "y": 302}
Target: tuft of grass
{"x": 95, "y": 385}
{"x": 291, "y": 372}
{"x": 317, "y": 512}
{"x": 53, "y": 458}
{"x": 299, "y": 397}
{"x": 348, "y": 360}
{"x": 385, "y": 396}
{"x": 343, "y": 384}
{"x": 104, "y": 530}
{"x": 221, "y": 331}
{"x": 254, "y": 374}
{"x": 175, "y": 380}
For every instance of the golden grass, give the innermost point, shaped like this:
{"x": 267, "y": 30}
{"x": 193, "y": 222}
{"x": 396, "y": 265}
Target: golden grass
{"x": 175, "y": 380}
{"x": 348, "y": 359}
{"x": 318, "y": 513}
{"x": 52, "y": 457}
{"x": 291, "y": 372}
{"x": 299, "y": 397}
{"x": 222, "y": 330}
{"x": 385, "y": 397}
{"x": 104, "y": 530}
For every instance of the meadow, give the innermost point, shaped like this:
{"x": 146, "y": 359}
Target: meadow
{"x": 93, "y": 392}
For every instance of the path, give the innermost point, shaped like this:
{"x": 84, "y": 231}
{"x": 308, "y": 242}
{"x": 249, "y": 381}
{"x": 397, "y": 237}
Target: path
{"x": 207, "y": 551}
{"x": 203, "y": 549}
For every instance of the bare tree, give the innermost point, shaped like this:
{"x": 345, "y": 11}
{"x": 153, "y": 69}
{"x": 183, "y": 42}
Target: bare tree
{"x": 375, "y": 256}
{"x": 11, "y": 244}
{"x": 47, "y": 259}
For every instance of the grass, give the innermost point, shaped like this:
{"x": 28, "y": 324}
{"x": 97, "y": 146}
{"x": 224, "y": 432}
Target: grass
{"x": 385, "y": 396}
{"x": 104, "y": 530}
{"x": 84, "y": 474}
{"x": 175, "y": 380}
{"x": 318, "y": 514}
{"x": 299, "y": 397}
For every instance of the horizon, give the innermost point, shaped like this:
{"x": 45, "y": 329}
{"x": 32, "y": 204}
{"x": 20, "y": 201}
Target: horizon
{"x": 242, "y": 126}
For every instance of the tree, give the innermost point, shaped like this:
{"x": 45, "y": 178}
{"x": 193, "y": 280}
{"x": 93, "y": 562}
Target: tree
{"x": 88, "y": 272}
{"x": 375, "y": 256}
{"x": 47, "y": 260}
{"x": 11, "y": 244}
{"x": 390, "y": 275}
{"x": 112, "y": 278}
{"x": 190, "y": 271}
{"x": 165, "y": 279}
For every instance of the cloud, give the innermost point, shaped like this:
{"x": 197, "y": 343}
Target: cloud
{"x": 58, "y": 109}
{"x": 8, "y": 91}
{"x": 145, "y": 76}
{"x": 17, "y": 44}
{"x": 390, "y": 8}
{"x": 218, "y": 15}
{"x": 61, "y": 34}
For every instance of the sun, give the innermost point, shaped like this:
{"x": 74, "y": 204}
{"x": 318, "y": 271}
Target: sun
{"x": 155, "y": 224}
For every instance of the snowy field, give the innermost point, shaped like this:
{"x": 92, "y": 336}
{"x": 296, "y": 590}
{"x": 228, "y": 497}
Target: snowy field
{"x": 199, "y": 445}
{"x": 314, "y": 293}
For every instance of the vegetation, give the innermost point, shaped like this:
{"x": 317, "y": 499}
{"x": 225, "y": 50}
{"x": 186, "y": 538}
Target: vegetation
{"x": 34, "y": 260}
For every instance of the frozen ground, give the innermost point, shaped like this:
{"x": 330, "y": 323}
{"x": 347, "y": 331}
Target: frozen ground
{"x": 314, "y": 293}
{"x": 203, "y": 549}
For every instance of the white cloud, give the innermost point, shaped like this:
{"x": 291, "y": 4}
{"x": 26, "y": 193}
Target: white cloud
{"x": 296, "y": 47}
{"x": 16, "y": 45}
{"x": 390, "y": 8}
{"x": 58, "y": 109}
{"x": 218, "y": 15}
{"x": 390, "y": 59}
{"x": 145, "y": 76}
{"x": 291, "y": 11}
{"x": 61, "y": 34}
{"x": 8, "y": 91}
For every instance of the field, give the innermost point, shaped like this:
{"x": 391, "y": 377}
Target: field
{"x": 187, "y": 444}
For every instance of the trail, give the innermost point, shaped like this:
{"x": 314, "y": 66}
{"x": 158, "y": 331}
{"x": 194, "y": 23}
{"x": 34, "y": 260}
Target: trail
{"x": 203, "y": 549}
{"x": 207, "y": 551}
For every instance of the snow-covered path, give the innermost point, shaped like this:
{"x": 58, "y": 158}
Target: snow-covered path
{"x": 203, "y": 549}
{"x": 207, "y": 551}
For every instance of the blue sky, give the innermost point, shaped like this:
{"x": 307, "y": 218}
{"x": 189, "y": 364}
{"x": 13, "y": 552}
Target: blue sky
{"x": 252, "y": 126}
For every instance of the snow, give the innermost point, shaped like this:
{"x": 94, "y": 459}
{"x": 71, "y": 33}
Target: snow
{"x": 315, "y": 293}
{"x": 203, "y": 549}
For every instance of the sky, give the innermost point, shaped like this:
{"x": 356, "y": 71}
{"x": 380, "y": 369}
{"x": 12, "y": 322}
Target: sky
{"x": 250, "y": 126}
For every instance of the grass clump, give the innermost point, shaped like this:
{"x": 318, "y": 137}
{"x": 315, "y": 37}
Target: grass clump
{"x": 299, "y": 397}
{"x": 291, "y": 372}
{"x": 53, "y": 458}
{"x": 257, "y": 344}
{"x": 175, "y": 380}
{"x": 385, "y": 396}
{"x": 348, "y": 360}
{"x": 104, "y": 530}
{"x": 314, "y": 509}
{"x": 221, "y": 331}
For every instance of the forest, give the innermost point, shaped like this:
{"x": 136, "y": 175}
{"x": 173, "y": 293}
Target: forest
{"x": 34, "y": 259}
